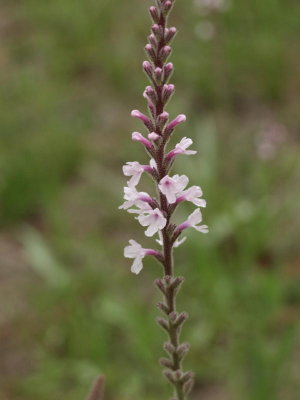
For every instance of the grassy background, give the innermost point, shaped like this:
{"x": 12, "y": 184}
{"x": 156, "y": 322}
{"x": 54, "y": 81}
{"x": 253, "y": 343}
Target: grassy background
{"x": 69, "y": 307}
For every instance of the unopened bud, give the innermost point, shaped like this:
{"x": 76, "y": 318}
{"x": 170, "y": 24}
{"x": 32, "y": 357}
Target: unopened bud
{"x": 182, "y": 350}
{"x": 150, "y": 51}
{"x": 186, "y": 376}
{"x": 178, "y": 375}
{"x": 158, "y": 31}
{"x": 166, "y": 362}
{"x": 158, "y": 74}
{"x": 163, "y": 307}
{"x": 167, "y": 71}
{"x": 148, "y": 68}
{"x": 167, "y": 7}
{"x": 153, "y": 136}
{"x": 152, "y": 40}
{"x": 178, "y": 120}
{"x": 150, "y": 94}
{"x": 173, "y": 316}
{"x": 154, "y": 14}
{"x": 167, "y": 92}
{"x": 143, "y": 118}
{"x": 181, "y": 318}
{"x": 169, "y": 348}
{"x": 138, "y": 137}
{"x": 161, "y": 286}
{"x": 170, "y": 34}
{"x": 162, "y": 119}
{"x": 163, "y": 323}
{"x": 177, "y": 282}
{"x": 169, "y": 375}
{"x": 164, "y": 53}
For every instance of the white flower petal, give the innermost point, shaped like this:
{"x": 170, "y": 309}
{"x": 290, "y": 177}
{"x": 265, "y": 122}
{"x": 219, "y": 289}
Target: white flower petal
{"x": 137, "y": 265}
{"x": 201, "y": 228}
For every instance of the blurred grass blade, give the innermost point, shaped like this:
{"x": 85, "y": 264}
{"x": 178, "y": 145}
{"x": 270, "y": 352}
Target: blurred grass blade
{"x": 96, "y": 392}
{"x": 42, "y": 260}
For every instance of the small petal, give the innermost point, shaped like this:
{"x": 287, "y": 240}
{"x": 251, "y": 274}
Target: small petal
{"x": 193, "y": 195}
{"x": 137, "y": 265}
{"x": 193, "y": 220}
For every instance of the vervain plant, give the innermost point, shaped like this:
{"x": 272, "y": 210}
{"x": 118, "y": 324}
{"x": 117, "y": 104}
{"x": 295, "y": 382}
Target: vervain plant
{"x": 155, "y": 213}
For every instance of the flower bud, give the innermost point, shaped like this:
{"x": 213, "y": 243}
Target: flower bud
{"x": 161, "y": 286}
{"x": 178, "y": 120}
{"x": 151, "y": 52}
{"x": 153, "y": 136}
{"x": 170, "y": 34}
{"x": 158, "y": 31}
{"x": 154, "y": 14}
{"x": 138, "y": 137}
{"x": 148, "y": 68}
{"x": 173, "y": 316}
{"x": 177, "y": 282}
{"x": 166, "y": 362}
{"x": 167, "y": 92}
{"x": 186, "y": 376}
{"x": 146, "y": 120}
{"x": 167, "y": 71}
{"x": 163, "y": 323}
{"x": 163, "y": 307}
{"x": 158, "y": 74}
{"x": 181, "y": 318}
{"x": 149, "y": 93}
{"x": 152, "y": 40}
{"x": 182, "y": 350}
{"x": 164, "y": 53}
{"x": 169, "y": 348}
{"x": 162, "y": 119}
{"x": 178, "y": 375}
{"x": 169, "y": 375}
{"x": 167, "y": 7}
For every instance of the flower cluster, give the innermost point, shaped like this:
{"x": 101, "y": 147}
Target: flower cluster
{"x": 155, "y": 213}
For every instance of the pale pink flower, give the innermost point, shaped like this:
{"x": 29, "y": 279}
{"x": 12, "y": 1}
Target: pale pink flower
{"x": 193, "y": 195}
{"x": 136, "y": 251}
{"x": 170, "y": 187}
{"x": 181, "y": 148}
{"x": 193, "y": 221}
{"x": 154, "y": 219}
{"x": 135, "y": 170}
{"x": 134, "y": 198}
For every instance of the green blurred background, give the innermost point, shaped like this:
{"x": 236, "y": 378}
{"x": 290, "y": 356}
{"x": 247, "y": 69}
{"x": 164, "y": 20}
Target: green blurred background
{"x": 70, "y": 73}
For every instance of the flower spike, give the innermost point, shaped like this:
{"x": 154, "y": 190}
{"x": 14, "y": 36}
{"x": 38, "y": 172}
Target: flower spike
{"x": 155, "y": 215}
